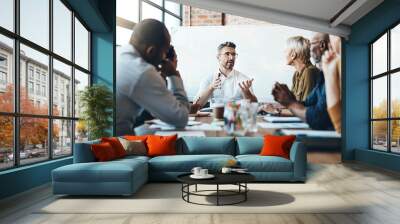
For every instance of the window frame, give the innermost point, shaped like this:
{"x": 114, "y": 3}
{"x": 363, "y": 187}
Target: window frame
{"x": 388, "y": 74}
{"x": 152, "y": 4}
{"x": 16, "y": 115}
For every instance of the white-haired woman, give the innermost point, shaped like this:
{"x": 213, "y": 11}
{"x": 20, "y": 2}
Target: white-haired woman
{"x": 306, "y": 75}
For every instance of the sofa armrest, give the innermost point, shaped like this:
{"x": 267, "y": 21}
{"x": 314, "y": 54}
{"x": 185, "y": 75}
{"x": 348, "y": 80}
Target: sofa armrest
{"x": 83, "y": 152}
{"x": 298, "y": 155}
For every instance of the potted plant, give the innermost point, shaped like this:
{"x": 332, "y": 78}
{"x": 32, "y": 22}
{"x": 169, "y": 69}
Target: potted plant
{"x": 96, "y": 102}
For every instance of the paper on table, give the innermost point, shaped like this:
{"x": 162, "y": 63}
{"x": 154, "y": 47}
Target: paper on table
{"x": 181, "y": 133}
{"x": 162, "y": 127}
{"x": 282, "y": 125}
{"x": 204, "y": 127}
{"x": 158, "y": 124}
{"x": 275, "y": 119}
{"x": 192, "y": 126}
{"x": 312, "y": 133}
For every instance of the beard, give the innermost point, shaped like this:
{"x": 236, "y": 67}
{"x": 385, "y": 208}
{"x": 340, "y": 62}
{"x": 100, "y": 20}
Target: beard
{"x": 316, "y": 58}
{"x": 229, "y": 64}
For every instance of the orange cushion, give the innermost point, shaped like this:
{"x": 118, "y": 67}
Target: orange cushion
{"x": 161, "y": 145}
{"x": 277, "y": 145}
{"x": 136, "y": 138}
{"x": 103, "y": 152}
{"x": 116, "y": 145}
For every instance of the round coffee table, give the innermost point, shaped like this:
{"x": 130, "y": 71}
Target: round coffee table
{"x": 238, "y": 179}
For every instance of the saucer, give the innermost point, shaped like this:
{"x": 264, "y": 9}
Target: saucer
{"x": 208, "y": 176}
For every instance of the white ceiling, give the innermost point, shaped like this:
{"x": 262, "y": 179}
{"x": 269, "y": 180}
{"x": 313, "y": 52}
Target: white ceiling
{"x": 315, "y": 15}
{"x": 321, "y": 9}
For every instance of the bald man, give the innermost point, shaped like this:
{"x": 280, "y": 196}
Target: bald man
{"x": 319, "y": 44}
{"x": 313, "y": 110}
{"x": 139, "y": 83}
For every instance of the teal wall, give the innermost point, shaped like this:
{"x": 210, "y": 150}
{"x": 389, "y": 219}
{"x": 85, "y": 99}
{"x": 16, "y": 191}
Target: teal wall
{"x": 356, "y": 85}
{"x": 99, "y": 16}
{"x": 24, "y": 178}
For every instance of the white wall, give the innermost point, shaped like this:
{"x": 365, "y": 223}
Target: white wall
{"x": 260, "y": 49}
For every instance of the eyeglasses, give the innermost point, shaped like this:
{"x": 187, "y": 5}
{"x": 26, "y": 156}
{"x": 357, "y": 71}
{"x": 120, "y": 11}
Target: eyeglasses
{"x": 227, "y": 54}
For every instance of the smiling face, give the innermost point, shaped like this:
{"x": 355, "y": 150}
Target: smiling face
{"x": 227, "y": 57}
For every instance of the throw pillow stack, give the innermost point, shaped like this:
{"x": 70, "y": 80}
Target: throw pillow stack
{"x": 150, "y": 145}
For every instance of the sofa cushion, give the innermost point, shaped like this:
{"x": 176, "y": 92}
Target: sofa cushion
{"x": 185, "y": 163}
{"x": 249, "y": 145}
{"x": 161, "y": 145}
{"x": 136, "y": 147}
{"x": 191, "y": 145}
{"x": 116, "y": 145}
{"x": 257, "y": 163}
{"x": 277, "y": 145}
{"x": 103, "y": 152}
{"x": 112, "y": 171}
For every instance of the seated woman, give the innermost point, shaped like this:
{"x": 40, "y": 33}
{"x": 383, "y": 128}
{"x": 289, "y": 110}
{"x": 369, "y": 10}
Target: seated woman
{"x": 306, "y": 75}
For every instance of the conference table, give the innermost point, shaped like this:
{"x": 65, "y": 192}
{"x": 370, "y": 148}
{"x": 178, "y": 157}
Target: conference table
{"x": 147, "y": 128}
{"x": 324, "y": 148}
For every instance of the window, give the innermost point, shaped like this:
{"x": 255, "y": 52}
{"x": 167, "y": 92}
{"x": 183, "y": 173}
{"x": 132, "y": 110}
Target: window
{"x": 7, "y": 14}
{"x": 62, "y": 29}
{"x": 30, "y": 87}
{"x": 30, "y": 72}
{"x": 35, "y": 22}
{"x": 44, "y": 91}
{"x": 385, "y": 97}
{"x": 3, "y": 78}
{"x": 37, "y": 75}
{"x": 38, "y": 89}
{"x": 62, "y": 74}
{"x": 3, "y": 72}
{"x": 45, "y": 73}
{"x": 129, "y": 12}
{"x": 3, "y": 61}
{"x": 81, "y": 45}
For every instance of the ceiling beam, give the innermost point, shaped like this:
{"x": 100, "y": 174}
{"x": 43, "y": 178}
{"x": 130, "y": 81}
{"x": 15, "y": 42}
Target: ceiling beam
{"x": 269, "y": 15}
{"x": 125, "y": 23}
{"x": 346, "y": 12}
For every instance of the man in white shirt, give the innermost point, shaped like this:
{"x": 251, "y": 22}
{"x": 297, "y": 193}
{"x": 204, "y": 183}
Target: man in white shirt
{"x": 139, "y": 82}
{"x": 227, "y": 83}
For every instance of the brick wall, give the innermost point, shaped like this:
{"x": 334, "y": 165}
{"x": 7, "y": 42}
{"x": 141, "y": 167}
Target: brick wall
{"x": 200, "y": 17}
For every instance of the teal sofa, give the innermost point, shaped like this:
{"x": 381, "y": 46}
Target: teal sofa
{"x": 125, "y": 176}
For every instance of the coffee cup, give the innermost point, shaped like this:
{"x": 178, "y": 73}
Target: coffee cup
{"x": 226, "y": 170}
{"x": 196, "y": 171}
{"x": 203, "y": 172}
{"x": 218, "y": 111}
{"x": 218, "y": 106}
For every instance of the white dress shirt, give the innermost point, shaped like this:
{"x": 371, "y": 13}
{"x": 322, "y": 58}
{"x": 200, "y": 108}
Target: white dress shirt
{"x": 229, "y": 90}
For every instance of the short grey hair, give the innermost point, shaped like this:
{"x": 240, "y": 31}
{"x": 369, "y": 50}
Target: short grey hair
{"x": 226, "y": 44}
{"x": 301, "y": 46}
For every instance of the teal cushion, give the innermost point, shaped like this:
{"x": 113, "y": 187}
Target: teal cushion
{"x": 83, "y": 152}
{"x": 111, "y": 171}
{"x": 190, "y": 145}
{"x": 185, "y": 163}
{"x": 257, "y": 163}
{"x": 249, "y": 145}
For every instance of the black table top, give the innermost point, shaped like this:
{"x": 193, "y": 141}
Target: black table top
{"x": 220, "y": 178}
